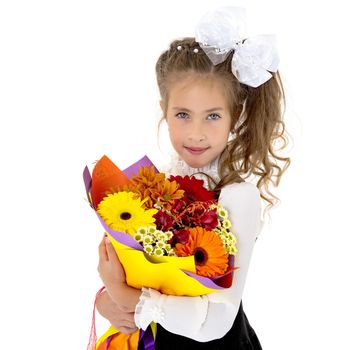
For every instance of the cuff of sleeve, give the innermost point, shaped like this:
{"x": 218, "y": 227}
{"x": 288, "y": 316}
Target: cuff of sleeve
{"x": 149, "y": 308}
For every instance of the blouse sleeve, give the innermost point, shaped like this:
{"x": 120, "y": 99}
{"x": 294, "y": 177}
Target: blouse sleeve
{"x": 197, "y": 317}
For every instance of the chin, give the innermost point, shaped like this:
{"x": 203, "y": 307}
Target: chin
{"x": 195, "y": 163}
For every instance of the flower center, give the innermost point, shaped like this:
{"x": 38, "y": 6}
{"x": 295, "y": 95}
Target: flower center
{"x": 200, "y": 256}
{"x": 167, "y": 197}
{"x": 125, "y": 216}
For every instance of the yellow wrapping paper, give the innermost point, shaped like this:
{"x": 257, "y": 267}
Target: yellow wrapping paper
{"x": 161, "y": 273}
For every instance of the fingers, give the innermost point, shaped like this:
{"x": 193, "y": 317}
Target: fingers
{"x": 111, "y": 254}
{"x": 124, "y": 322}
{"x": 127, "y": 319}
{"x": 102, "y": 251}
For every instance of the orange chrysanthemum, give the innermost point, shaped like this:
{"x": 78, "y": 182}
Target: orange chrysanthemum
{"x": 210, "y": 256}
{"x": 165, "y": 192}
{"x": 154, "y": 187}
{"x": 147, "y": 178}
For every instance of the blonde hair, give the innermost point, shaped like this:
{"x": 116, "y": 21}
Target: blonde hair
{"x": 256, "y": 131}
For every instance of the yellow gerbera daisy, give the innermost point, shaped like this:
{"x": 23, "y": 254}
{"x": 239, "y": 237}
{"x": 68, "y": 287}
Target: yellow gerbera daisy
{"x": 210, "y": 255}
{"x": 122, "y": 212}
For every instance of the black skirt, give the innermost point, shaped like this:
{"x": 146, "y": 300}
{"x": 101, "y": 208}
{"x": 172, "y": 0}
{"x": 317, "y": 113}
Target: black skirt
{"x": 240, "y": 337}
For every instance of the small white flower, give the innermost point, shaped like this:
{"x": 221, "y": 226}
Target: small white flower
{"x": 167, "y": 247}
{"x": 226, "y": 223}
{"x": 138, "y": 237}
{"x": 162, "y": 236}
{"x": 218, "y": 231}
{"x": 158, "y": 251}
{"x": 151, "y": 229}
{"x": 224, "y": 240}
{"x": 160, "y": 245}
{"x": 148, "y": 248}
{"x": 148, "y": 239}
{"x": 233, "y": 250}
{"x": 229, "y": 236}
{"x": 222, "y": 213}
{"x": 142, "y": 230}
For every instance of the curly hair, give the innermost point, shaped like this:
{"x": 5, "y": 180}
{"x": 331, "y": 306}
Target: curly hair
{"x": 256, "y": 131}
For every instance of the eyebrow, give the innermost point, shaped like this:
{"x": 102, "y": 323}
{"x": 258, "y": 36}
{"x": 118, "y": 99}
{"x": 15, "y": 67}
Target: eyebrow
{"x": 207, "y": 111}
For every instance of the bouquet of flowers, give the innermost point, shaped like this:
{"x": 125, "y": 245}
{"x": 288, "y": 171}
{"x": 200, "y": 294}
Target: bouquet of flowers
{"x": 170, "y": 233}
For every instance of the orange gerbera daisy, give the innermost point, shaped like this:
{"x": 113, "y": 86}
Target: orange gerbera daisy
{"x": 211, "y": 257}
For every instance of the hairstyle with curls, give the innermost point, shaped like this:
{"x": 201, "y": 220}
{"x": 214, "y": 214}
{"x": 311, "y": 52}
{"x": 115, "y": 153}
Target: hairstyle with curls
{"x": 255, "y": 131}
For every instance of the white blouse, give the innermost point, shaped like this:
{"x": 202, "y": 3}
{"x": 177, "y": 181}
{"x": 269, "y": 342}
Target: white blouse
{"x": 211, "y": 316}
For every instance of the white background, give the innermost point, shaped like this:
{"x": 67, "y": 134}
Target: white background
{"x": 77, "y": 81}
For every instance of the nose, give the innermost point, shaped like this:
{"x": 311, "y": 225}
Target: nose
{"x": 196, "y": 133}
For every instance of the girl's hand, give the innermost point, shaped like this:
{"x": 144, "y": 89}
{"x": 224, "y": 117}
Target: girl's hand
{"x": 113, "y": 276}
{"x": 109, "y": 267}
{"x": 121, "y": 320}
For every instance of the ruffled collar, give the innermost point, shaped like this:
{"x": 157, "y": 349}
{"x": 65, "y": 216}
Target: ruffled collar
{"x": 179, "y": 167}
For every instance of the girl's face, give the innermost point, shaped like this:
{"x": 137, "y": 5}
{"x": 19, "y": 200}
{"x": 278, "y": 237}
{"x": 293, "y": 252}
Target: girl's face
{"x": 198, "y": 120}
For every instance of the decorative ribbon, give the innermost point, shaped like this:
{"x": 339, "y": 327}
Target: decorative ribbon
{"x": 93, "y": 337}
{"x": 223, "y": 31}
{"x": 146, "y": 341}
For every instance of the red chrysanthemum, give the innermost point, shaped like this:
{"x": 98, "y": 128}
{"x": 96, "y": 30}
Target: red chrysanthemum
{"x": 194, "y": 189}
{"x": 199, "y": 214}
{"x": 179, "y": 236}
{"x": 163, "y": 220}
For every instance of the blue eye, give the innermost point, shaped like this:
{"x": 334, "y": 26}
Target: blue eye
{"x": 213, "y": 116}
{"x": 182, "y": 115}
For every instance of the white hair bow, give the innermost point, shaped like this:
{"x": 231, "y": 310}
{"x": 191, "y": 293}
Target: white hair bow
{"x": 223, "y": 30}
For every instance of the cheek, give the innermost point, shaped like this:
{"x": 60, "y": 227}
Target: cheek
{"x": 221, "y": 134}
{"x": 174, "y": 133}
{"x": 222, "y": 140}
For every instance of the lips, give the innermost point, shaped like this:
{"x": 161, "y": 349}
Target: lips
{"x": 196, "y": 150}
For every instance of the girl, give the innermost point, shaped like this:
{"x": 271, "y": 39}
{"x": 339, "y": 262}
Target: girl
{"x": 224, "y": 117}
